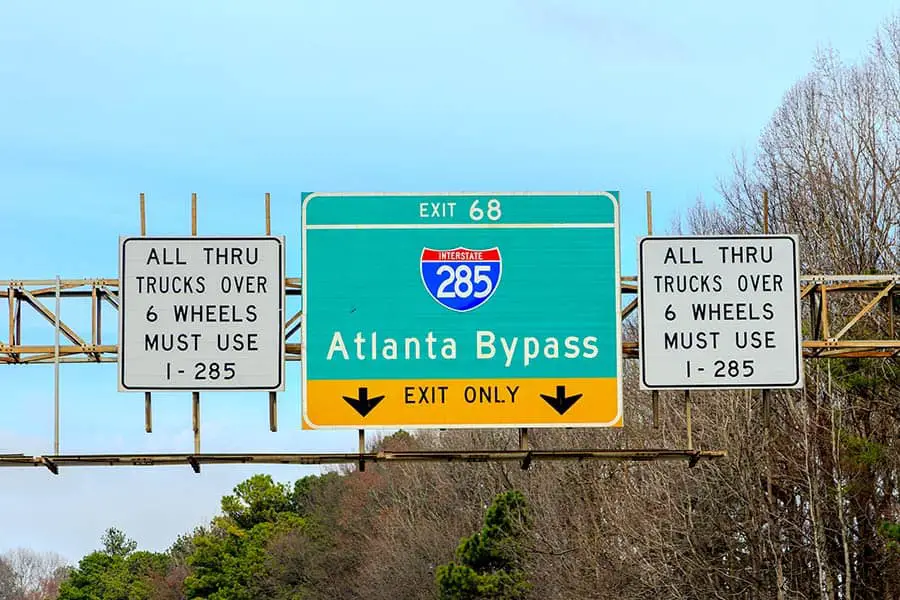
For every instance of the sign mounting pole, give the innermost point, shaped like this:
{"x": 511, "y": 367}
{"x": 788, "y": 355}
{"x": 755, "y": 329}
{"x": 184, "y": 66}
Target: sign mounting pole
{"x": 148, "y": 400}
{"x": 654, "y": 394}
{"x": 273, "y": 396}
{"x": 765, "y": 222}
{"x": 56, "y": 376}
{"x": 195, "y": 395}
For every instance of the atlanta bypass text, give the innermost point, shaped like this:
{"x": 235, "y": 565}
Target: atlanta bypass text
{"x": 488, "y": 345}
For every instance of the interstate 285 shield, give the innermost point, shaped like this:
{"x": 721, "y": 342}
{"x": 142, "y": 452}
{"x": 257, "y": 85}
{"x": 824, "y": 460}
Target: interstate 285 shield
{"x": 461, "y": 279}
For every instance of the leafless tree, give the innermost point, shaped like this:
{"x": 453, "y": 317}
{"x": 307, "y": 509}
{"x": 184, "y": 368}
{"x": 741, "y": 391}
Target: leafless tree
{"x": 29, "y": 575}
{"x": 9, "y": 584}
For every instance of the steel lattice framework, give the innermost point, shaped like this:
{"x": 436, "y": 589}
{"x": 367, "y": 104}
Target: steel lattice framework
{"x": 829, "y": 332}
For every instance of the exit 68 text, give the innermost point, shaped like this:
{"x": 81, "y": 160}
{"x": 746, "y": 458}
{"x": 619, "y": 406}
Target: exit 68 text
{"x": 478, "y": 210}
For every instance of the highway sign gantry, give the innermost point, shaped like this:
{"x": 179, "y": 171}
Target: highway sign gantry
{"x": 720, "y": 312}
{"x": 201, "y": 313}
{"x": 461, "y": 310}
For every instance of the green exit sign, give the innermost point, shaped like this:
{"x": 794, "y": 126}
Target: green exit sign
{"x": 461, "y": 310}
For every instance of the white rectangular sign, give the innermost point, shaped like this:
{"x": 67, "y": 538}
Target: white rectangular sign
{"x": 201, "y": 313}
{"x": 720, "y": 312}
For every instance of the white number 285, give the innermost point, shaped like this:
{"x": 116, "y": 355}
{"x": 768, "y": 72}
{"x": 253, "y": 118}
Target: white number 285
{"x": 464, "y": 279}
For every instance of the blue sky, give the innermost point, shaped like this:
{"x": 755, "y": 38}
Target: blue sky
{"x": 101, "y": 101}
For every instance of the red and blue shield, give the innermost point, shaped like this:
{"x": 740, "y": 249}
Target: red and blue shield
{"x": 461, "y": 279}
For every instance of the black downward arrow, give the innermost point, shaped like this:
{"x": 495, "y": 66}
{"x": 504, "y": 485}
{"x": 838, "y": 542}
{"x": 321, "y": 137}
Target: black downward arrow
{"x": 561, "y": 403}
{"x": 363, "y": 405}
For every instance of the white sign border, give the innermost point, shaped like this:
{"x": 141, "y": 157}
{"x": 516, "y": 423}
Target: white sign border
{"x": 798, "y": 330}
{"x": 615, "y": 225}
{"x": 120, "y": 355}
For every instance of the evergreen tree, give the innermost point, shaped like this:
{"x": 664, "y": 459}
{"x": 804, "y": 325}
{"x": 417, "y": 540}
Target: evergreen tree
{"x": 118, "y": 572}
{"x": 230, "y": 561}
{"x": 491, "y": 563}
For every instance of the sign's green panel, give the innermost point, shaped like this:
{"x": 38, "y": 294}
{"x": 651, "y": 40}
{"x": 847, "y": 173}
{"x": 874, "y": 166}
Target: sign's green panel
{"x": 441, "y": 310}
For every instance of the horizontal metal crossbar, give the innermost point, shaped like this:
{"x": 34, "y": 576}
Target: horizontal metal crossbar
{"x": 54, "y": 462}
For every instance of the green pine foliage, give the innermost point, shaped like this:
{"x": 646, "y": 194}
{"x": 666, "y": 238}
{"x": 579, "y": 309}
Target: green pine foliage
{"x": 491, "y": 563}
{"x": 118, "y": 572}
{"x": 230, "y": 562}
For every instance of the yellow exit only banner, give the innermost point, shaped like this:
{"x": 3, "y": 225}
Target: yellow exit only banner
{"x": 379, "y": 403}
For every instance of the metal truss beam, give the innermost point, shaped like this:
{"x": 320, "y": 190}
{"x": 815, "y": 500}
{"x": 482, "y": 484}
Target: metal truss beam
{"x": 863, "y": 304}
{"x": 87, "y": 347}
